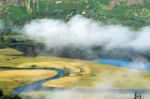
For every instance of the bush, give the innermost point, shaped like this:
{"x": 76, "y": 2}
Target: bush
{"x": 1, "y": 93}
{"x": 34, "y": 66}
{"x": 10, "y": 96}
{"x": 81, "y": 70}
{"x": 66, "y": 71}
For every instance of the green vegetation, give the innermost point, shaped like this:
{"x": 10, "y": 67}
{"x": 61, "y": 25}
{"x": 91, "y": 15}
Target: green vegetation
{"x": 10, "y": 96}
{"x": 14, "y": 40}
{"x": 22, "y": 43}
{"x": 66, "y": 71}
{"x": 136, "y": 16}
{"x": 10, "y": 52}
{"x": 15, "y": 15}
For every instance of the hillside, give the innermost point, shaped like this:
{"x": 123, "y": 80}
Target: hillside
{"x": 135, "y": 12}
{"x": 15, "y": 14}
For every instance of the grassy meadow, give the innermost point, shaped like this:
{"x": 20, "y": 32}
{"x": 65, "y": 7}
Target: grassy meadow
{"x": 83, "y": 74}
{"x": 10, "y": 79}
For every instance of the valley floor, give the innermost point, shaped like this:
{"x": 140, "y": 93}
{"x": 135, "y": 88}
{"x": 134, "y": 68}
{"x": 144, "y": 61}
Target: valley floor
{"x": 82, "y": 74}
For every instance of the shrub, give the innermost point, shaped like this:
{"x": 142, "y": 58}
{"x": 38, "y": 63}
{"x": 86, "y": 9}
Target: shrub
{"x": 66, "y": 71}
{"x": 33, "y": 66}
{"x": 10, "y": 96}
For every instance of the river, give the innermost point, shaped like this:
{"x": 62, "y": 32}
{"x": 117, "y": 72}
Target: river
{"x": 37, "y": 86}
{"x": 126, "y": 64}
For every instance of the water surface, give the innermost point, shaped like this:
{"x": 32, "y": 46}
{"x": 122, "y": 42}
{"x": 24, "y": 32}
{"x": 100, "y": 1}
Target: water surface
{"x": 126, "y": 64}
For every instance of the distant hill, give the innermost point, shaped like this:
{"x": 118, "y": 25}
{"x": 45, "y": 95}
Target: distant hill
{"x": 133, "y": 13}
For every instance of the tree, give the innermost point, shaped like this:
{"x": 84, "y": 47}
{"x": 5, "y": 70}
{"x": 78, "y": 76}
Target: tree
{"x": 1, "y": 93}
{"x": 66, "y": 71}
{"x": 28, "y": 5}
{"x": 138, "y": 96}
{"x": 81, "y": 70}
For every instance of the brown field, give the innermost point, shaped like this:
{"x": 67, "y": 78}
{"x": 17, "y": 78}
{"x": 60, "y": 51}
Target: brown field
{"x": 13, "y": 78}
{"x": 93, "y": 74}
{"x": 64, "y": 82}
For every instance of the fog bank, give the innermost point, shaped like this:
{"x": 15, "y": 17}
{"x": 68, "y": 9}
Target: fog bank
{"x": 83, "y": 32}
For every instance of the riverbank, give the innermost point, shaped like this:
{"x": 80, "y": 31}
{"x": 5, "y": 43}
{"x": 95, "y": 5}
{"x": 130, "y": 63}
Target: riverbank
{"x": 91, "y": 74}
{"x": 14, "y": 77}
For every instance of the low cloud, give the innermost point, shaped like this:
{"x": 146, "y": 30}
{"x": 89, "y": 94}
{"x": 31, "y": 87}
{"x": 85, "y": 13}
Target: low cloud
{"x": 70, "y": 94}
{"x": 83, "y": 33}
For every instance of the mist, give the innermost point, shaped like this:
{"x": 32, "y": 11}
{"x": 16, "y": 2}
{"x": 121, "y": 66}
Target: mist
{"x": 84, "y": 33}
{"x": 70, "y": 94}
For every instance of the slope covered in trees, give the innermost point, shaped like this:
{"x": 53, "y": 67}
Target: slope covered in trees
{"x": 135, "y": 12}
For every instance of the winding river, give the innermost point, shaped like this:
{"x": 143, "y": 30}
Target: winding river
{"x": 37, "y": 86}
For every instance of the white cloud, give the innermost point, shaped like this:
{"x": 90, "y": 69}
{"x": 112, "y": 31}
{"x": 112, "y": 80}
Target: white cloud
{"x": 83, "y": 32}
